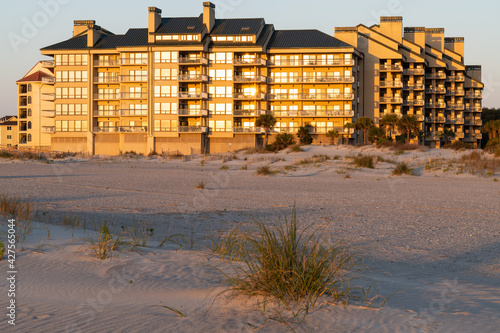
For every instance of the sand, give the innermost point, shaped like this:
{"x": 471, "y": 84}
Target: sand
{"x": 432, "y": 241}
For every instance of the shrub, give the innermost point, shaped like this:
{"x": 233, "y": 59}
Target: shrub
{"x": 292, "y": 266}
{"x": 493, "y": 142}
{"x": 264, "y": 171}
{"x": 402, "y": 169}
{"x": 14, "y": 207}
{"x": 457, "y": 145}
{"x": 376, "y": 134}
{"x": 6, "y": 154}
{"x": 200, "y": 185}
{"x": 304, "y": 136}
{"x": 283, "y": 141}
{"x": 364, "y": 162}
{"x": 224, "y": 167}
{"x": 296, "y": 149}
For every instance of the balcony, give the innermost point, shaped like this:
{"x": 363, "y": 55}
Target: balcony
{"x": 104, "y": 97}
{"x": 414, "y": 71}
{"x": 133, "y": 78}
{"x": 459, "y": 121}
{"x": 338, "y": 79}
{"x": 414, "y": 87}
{"x": 106, "y": 63}
{"x": 459, "y": 135}
{"x": 340, "y": 97}
{"x": 315, "y": 113}
{"x": 106, "y": 129}
{"x": 48, "y": 63}
{"x": 391, "y": 68}
{"x": 48, "y": 80}
{"x": 193, "y": 78}
{"x": 414, "y": 102}
{"x": 106, "y": 79}
{"x": 474, "y": 109}
{"x": 470, "y": 138}
{"x": 23, "y": 127}
{"x": 391, "y": 84}
{"x": 433, "y": 137}
{"x": 249, "y": 62}
{"x": 250, "y": 130}
{"x": 49, "y": 113}
{"x": 439, "y": 90}
{"x": 128, "y": 61}
{"x": 455, "y": 92}
{"x": 48, "y": 129}
{"x": 23, "y": 115}
{"x": 330, "y": 62}
{"x": 23, "y": 102}
{"x": 419, "y": 117}
{"x": 192, "y": 129}
{"x": 391, "y": 100}
{"x": 193, "y": 95}
{"x": 436, "y": 120}
{"x": 248, "y": 113}
{"x": 192, "y": 113}
{"x": 133, "y": 129}
{"x": 455, "y": 106}
{"x": 133, "y": 113}
{"x": 436, "y": 76}
{"x": 474, "y": 122}
{"x": 244, "y": 96}
{"x": 49, "y": 97}
{"x": 323, "y": 130}
{"x": 455, "y": 78}
{"x": 106, "y": 113}
{"x": 249, "y": 79}
{"x": 474, "y": 95}
{"x": 193, "y": 61}
{"x": 435, "y": 105}
{"x": 133, "y": 95}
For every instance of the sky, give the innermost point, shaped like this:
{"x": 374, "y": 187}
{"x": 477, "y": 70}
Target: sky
{"x": 29, "y": 25}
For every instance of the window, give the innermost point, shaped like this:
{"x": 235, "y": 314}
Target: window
{"x": 221, "y": 92}
{"x": 166, "y": 91}
{"x": 138, "y": 110}
{"x": 166, "y": 74}
{"x": 62, "y": 93}
{"x": 71, "y": 126}
{"x": 71, "y": 59}
{"x": 29, "y": 137}
{"x": 71, "y": 109}
{"x": 9, "y": 137}
{"x": 166, "y": 57}
{"x": 165, "y": 108}
{"x": 221, "y": 74}
{"x": 221, "y": 108}
{"x": 9, "y": 128}
{"x": 29, "y": 124}
{"x": 221, "y": 57}
{"x": 221, "y": 125}
{"x": 165, "y": 125}
{"x": 71, "y": 76}
{"x": 29, "y": 112}
{"x": 29, "y": 87}
{"x": 29, "y": 99}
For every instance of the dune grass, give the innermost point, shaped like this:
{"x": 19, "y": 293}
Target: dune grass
{"x": 402, "y": 169}
{"x": 14, "y": 207}
{"x": 364, "y": 162}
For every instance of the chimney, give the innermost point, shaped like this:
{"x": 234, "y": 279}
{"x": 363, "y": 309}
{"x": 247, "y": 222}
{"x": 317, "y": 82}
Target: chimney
{"x": 392, "y": 26}
{"x": 154, "y": 21}
{"x": 416, "y": 35}
{"x": 455, "y": 44}
{"x": 209, "y": 15}
{"x": 474, "y": 72}
{"x": 435, "y": 38}
{"x": 82, "y": 26}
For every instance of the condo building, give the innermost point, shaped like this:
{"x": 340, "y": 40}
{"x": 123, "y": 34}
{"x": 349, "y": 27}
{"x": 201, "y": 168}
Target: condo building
{"x": 199, "y": 84}
{"x": 8, "y": 131}
{"x": 418, "y": 71}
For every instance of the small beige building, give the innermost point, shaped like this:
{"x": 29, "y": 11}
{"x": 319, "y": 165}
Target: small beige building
{"x": 8, "y": 131}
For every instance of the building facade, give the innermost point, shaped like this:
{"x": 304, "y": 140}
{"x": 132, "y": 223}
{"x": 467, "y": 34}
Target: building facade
{"x": 198, "y": 84}
{"x": 418, "y": 71}
{"x": 8, "y": 131}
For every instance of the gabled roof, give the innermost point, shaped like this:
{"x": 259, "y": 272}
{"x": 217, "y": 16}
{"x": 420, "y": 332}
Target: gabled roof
{"x": 35, "y": 77}
{"x": 134, "y": 37}
{"x": 80, "y": 43}
{"x": 237, "y": 26}
{"x": 8, "y": 119}
{"x": 181, "y": 25}
{"x": 287, "y": 39}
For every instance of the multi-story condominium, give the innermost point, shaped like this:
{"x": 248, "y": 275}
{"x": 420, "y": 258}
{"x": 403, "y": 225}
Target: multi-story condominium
{"x": 8, "y": 131}
{"x": 198, "y": 84}
{"x": 418, "y": 71}
{"x": 36, "y": 110}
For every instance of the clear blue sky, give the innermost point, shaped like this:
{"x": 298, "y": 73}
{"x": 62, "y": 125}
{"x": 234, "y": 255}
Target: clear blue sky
{"x": 475, "y": 20}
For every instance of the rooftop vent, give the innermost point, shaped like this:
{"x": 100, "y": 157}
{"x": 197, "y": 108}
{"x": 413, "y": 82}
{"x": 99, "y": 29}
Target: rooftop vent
{"x": 245, "y": 28}
{"x": 191, "y": 27}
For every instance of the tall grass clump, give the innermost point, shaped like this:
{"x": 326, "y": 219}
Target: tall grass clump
{"x": 105, "y": 243}
{"x": 2, "y": 250}
{"x": 264, "y": 171}
{"x": 291, "y": 266}
{"x": 364, "y": 162}
{"x": 14, "y": 207}
{"x": 402, "y": 169}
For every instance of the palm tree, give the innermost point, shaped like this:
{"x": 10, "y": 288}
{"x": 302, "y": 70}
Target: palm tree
{"x": 389, "y": 121}
{"x": 375, "y": 134}
{"x": 304, "y": 136}
{"x": 349, "y": 127}
{"x": 408, "y": 124}
{"x": 364, "y": 124}
{"x": 492, "y": 127}
{"x": 267, "y": 121}
{"x": 332, "y": 135}
{"x": 446, "y": 135}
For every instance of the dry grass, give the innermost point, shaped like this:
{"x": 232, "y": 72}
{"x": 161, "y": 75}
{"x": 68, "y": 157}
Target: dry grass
{"x": 14, "y": 207}
{"x": 366, "y": 161}
{"x": 200, "y": 186}
{"x": 402, "y": 169}
{"x": 22, "y": 155}
{"x": 477, "y": 163}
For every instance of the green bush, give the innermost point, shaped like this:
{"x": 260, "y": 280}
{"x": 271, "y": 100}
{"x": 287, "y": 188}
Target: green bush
{"x": 304, "y": 136}
{"x": 364, "y": 162}
{"x": 375, "y": 134}
{"x": 283, "y": 141}
{"x": 264, "y": 171}
{"x": 493, "y": 142}
{"x": 296, "y": 149}
{"x": 402, "y": 169}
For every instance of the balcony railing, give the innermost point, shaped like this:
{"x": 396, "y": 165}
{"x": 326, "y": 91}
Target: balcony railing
{"x": 436, "y": 105}
{"x": 48, "y": 63}
{"x": 49, "y": 113}
{"x": 193, "y": 78}
{"x": 414, "y": 102}
{"x": 391, "y": 68}
{"x": 306, "y": 79}
{"x": 436, "y": 76}
{"x": 192, "y": 129}
{"x": 106, "y": 113}
{"x": 121, "y": 129}
{"x": 112, "y": 129}
{"x": 474, "y": 109}
{"x": 475, "y": 95}
{"x": 258, "y": 96}
{"x": 324, "y": 130}
{"x": 315, "y": 113}
{"x": 192, "y": 113}
{"x": 193, "y": 95}
{"x": 133, "y": 78}
{"x": 439, "y": 90}
{"x": 439, "y": 120}
{"x": 252, "y": 78}
{"x": 391, "y": 84}
{"x": 193, "y": 60}
{"x": 106, "y": 63}
{"x": 474, "y": 122}
{"x": 106, "y": 79}
{"x": 48, "y": 129}
{"x": 48, "y": 97}
{"x": 133, "y": 113}
{"x": 330, "y": 62}
{"x": 49, "y": 80}
{"x": 455, "y": 106}
{"x": 106, "y": 96}
{"x": 133, "y": 95}
{"x": 414, "y": 87}
{"x": 249, "y": 62}
{"x": 391, "y": 100}
{"x": 328, "y": 96}
{"x": 455, "y": 78}
{"x": 459, "y": 135}
{"x": 248, "y": 113}
{"x": 129, "y": 61}
{"x": 23, "y": 128}
{"x": 455, "y": 92}
{"x": 414, "y": 71}
{"x": 433, "y": 137}
{"x": 248, "y": 130}
{"x": 459, "y": 121}
{"x": 470, "y": 138}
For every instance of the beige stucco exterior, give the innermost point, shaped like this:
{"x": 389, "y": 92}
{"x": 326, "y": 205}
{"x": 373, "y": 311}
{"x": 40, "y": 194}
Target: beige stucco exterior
{"x": 8, "y": 132}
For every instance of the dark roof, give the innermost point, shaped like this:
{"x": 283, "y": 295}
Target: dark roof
{"x": 236, "y": 26}
{"x": 134, "y": 37}
{"x": 8, "y": 123}
{"x": 262, "y": 38}
{"x": 180, "y": 25}
{"x": 287, "y": 39}
{"x": 108, "y": 42}
{"x": 35, "y": 77}
{"x": 5, "y": 119}
{"x": 80, "y": 43}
